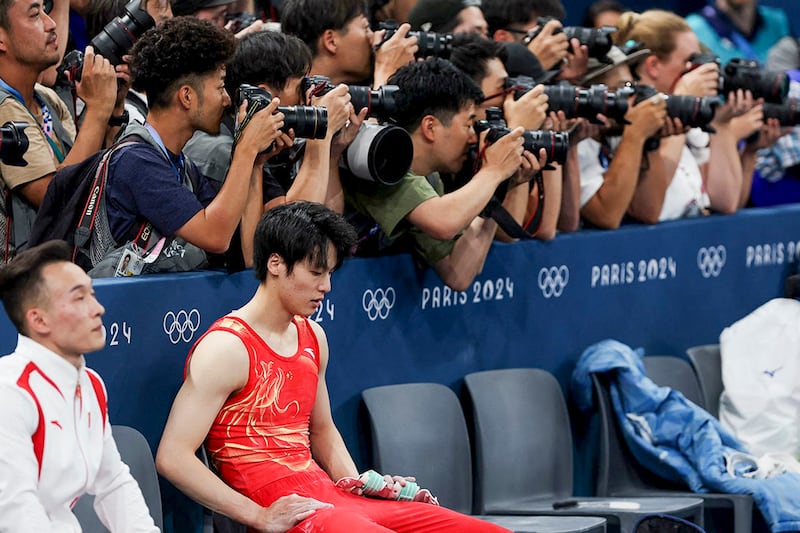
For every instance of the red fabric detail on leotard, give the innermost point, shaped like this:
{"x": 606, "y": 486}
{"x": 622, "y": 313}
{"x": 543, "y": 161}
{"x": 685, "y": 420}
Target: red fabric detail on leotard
{"x": 261, "y": 434}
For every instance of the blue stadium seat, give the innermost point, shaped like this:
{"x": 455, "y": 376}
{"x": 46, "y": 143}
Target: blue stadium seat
{"x": 135, "y": 452}
{"x": 523, "y": 446}
{"x": 419, "y": 429}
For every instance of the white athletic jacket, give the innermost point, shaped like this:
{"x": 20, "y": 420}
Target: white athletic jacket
{"x": 56, "y": 444}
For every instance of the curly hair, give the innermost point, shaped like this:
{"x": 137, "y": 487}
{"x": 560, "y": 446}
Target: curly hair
{"x": 179, "y": 51}
{"x": 431, "y": 87}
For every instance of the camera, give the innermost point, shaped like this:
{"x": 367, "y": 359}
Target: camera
{"x": 556, "y": 144}
{"x": 693, "y": 111}
{"x": 239, "y": 21}
{"x": 380, "y": 102}
{"x": 747, "y": 75}
{"x": 576, "y": 102}
{"x": 429, "y": 44}
{"x": 308, "y": 122}
{"x": 114, "y": 41}
{"x": 13, "y": 143}
{"x": 380, "y": 152}
{"x": 597, "y": 40}
{"x": 787, "y": 113}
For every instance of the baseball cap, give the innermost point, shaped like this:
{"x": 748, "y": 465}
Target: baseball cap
{"x": 190, "y": 7}
{"x": 615, "y": 57}
{"x": 433, "y": 15}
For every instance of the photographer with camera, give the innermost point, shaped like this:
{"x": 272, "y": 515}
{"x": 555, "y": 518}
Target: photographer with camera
{"x": 482, "y": 60}
{"x": 521, "y": 21}
{"x": 342, "y": 44}
{"x": 28, "y": 47}
{"x": 152, "y": 189}
{"x": 436, "y": 104}
{"x": 691, "y": 170}
{"x": 278, "y": 63}
{"x": 612, "y": 157}
{"x": 214, "y": 11}
{"x": 448, "y": 16}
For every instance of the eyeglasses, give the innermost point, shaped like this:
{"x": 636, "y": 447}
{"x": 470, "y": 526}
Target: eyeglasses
{"x": 503, "y": 92}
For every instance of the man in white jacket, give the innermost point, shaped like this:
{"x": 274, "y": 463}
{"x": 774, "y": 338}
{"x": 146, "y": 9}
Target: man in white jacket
{"x": 55, "y": 437}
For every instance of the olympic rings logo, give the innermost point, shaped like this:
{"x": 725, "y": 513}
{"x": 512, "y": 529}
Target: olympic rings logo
{"x": 553, "y": 280}
{"x": 711, "y": 260}
{"x": 181, "y": 326}
{"x": 378, "y": 303}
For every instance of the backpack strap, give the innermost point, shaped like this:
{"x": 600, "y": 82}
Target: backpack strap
{"x": 86, "y": 222}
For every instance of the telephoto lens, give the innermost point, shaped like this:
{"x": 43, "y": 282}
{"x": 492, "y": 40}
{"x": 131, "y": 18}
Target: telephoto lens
{"x": 787, "y": 113}
{"x": 308, "y": 122}
{"x": 429, "y": 44}
{"x": 556, "y": 144}
{"x": 693, "y": 111}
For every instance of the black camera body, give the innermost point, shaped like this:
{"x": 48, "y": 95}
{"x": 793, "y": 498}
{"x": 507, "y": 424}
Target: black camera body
{"x": 114, "y": 41}
{"x": 13, "y": 143}
{"x": 380, "y": 102}
{"x": 429, "y": 44}
{"x": 576, "y": 102}
{"x": 308, "y": 122}
{"x": 239, "y": 21}
{"x": 597, "y": 40}
{"x": 787, "y": 113}
{"x": 556, "y": 144}
{"x": 693, "y": 111}
{"x": 745, "y": 74}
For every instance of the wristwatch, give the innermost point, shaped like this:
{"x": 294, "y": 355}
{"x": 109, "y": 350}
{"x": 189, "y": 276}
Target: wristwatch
{"x": 120, "y": 120}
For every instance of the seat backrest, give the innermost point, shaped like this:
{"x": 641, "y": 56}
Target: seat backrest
{"x": 707, "y": 363}
{"x": 675, "y": 373}
{"x": 418, "y": 429}
{"x": 135, "y": 452}
{"x": 523, "y": 441}
{"x": 618, "y": 471}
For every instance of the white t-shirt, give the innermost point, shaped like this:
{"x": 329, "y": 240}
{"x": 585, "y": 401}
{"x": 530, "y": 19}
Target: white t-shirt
{"x": 685, "y": 195}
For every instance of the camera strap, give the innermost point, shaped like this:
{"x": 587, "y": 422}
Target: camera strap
{"x": 495, "y": 210}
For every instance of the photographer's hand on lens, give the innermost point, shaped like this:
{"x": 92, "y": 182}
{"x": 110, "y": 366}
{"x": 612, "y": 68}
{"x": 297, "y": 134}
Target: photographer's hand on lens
{"x": 123, "y": 74}
{"x": 255, "y": 27}
{"x": 396, "y": 52}
{"x": 347, "y": 134}
{"x": 98, "y": 87}
{"x": 504, "y": 156}
{"x": 583, "y": 129}
{"x": 770, "y": 131}
{"x": 647, "y": 117}
{"x": 262, "y": 129}
{"x": 529, "y": 111}
{"x": 576, "y": 63}
{"x": 737, "y": 104}
{"x": 701, "y": 81}
{"x": 550, "y": 48}
{"x": 284, "y": 141}
{"x": 529, "y": 168}
{"x": 672, "y": 126}
{"x": 337, "y": 102}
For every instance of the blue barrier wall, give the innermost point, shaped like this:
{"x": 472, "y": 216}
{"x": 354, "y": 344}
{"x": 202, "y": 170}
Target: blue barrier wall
{"x": 664, "y": 287}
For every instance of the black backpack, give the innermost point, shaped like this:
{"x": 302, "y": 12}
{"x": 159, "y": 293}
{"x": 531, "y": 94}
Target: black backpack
{"x": 69, "y": 208}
